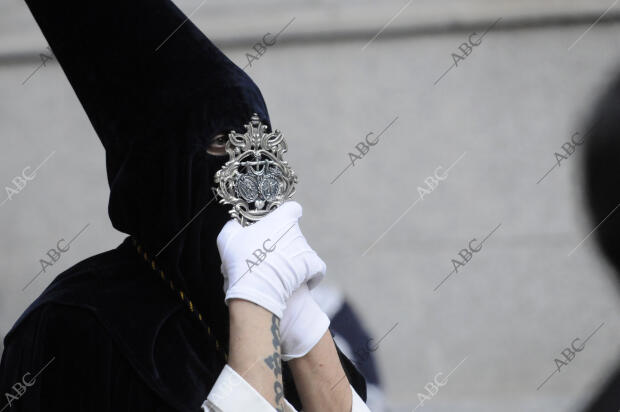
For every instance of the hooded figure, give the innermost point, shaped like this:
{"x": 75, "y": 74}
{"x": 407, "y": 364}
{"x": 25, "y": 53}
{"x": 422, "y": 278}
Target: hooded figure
{"x": 143, "y": 326}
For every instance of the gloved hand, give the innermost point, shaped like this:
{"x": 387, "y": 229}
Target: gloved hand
{"x": 303, "y": 324}
{"x": 267, "y": 261}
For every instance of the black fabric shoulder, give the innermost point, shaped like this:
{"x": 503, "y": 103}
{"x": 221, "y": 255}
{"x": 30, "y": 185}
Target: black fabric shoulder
{"x": 60, "y": 358}
{"x": 123, "y": 300}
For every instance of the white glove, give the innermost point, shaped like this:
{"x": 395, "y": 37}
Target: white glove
{"x": 267, "y": 261}
{"x": 303, "y": 324}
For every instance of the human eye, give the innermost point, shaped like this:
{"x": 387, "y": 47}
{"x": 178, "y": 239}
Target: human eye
{"x": 217, "y": 146}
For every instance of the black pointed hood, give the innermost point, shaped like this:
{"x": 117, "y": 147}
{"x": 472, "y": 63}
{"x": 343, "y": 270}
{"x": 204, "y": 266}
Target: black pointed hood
{"x": 156, "y": 90}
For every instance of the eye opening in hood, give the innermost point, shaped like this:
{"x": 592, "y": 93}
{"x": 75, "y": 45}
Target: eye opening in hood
{"x": 217, "y": 145}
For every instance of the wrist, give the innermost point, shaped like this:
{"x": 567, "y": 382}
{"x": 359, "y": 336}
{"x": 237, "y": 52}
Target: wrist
{"x": 244, "y": 311}
{"x": 256, "y": 297}
{"x": 254, "y": 339}
{"x": 303, "y": 324}
{"x": 321, "y": 378}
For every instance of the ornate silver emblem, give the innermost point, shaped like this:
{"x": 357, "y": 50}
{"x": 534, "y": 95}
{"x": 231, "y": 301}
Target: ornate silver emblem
{"x": 256, "y": 179}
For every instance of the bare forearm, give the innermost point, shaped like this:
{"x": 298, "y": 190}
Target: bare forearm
{"x": 255, "y": 349}
{"x": 320, "y": 380}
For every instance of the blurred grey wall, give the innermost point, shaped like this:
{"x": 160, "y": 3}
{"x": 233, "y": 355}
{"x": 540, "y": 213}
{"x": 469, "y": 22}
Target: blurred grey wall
{"x": 488, "y": 126}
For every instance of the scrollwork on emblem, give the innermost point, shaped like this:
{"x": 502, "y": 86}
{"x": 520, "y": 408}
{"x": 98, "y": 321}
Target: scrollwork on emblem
{"x": 256, "y": 179}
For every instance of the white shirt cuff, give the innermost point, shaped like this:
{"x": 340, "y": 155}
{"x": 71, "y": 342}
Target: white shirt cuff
{"x": 232, "y": 393}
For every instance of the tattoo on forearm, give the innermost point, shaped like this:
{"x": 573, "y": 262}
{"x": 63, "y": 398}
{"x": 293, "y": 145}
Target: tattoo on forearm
{"x": 274, "y": 363}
